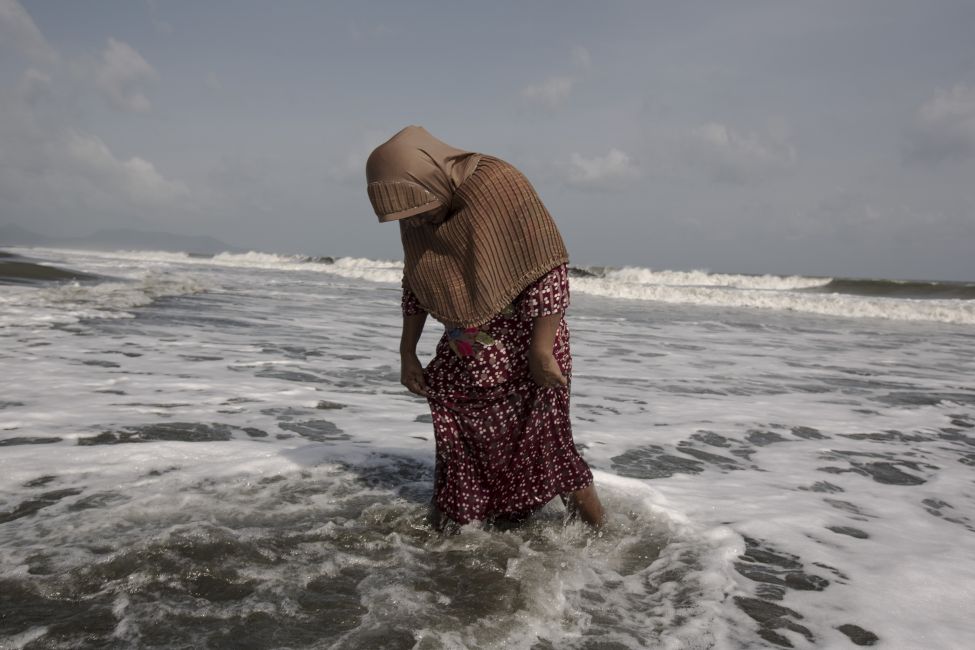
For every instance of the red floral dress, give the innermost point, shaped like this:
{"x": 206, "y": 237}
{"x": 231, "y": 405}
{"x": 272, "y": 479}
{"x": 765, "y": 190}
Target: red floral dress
{"x": 504, "y": 443}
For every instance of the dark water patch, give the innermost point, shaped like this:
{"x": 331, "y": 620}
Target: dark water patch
{"x": 287, "y": 375}
{"x": 578, "y": 272}
{"x": 763, "y": 438}
{"x": 317, "y": 430}
{"x": 907, "y": 398}
{"x": 286, "y": 413}
{"x": 35, "y": 504}
{"x": 652, "y": 461}
{"x": 771, "y": 617}
{"x": 887, "y": 471}
{"x": 858, "y": 635}
{"x": 425, "y": 418}
{"x": 714, "y": 459}
{"x": 856, "y": 386}
{"x": 100, "y": 363}
{"x": 967, "y": 459}
{"x": 176, "y": 431}
{"x": 199, "y": 357}
{"x": 808, "y": 433}
{"x": 941, "y": 509}
{"x": 775, "y": 571}
{"x": 823, "y": 486}
{"x": 710, "y": 438}
{"x": 889, "y": 474}
{"x": 290, "y": 351}
{"x": 405, "y": 477}
{"x": 254, "y": 432}
{"x": 40, "y": 481}
{"x": 598, "y": 409}
{"x": 165, "y": 470}
{"x": 6, "y": 405}
{"x": 11, "y": 442}
{"x": 886, "y": 436}
{"x": 321, "y": 259}
{"x": 954, "y": 435}
{"x": 70, "y": 622}
{"x": 849, "y": 530}
{"x": 812, "y": 389}
{"x": 696, "y": 388}
{"x": 239, "y": 400}
{"x": 899, "y": 289}
{"x": 840, "y": 576}
{"x": 847, "y": 506}
{"x": 111, "y": 391}
{"x": 97, "y": 500}
{"x": 13, "y": 271}
{"x": 156, "y": 405}
{"x": 963, "y": 421}
{"x": 325, "y": 405}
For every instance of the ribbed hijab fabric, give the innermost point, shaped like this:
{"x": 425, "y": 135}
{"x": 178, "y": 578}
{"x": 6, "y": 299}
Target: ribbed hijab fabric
{"x": 414, "y": 172}
{"x": 496, "y": 240}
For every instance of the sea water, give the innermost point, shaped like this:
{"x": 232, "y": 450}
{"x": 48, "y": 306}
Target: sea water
{"x": 216, "y": 452}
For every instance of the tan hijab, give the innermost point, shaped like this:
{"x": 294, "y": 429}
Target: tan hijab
{"x": 487, "y": 235}
{"x": 415, "y": 169}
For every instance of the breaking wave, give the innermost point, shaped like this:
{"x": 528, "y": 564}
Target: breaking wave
{"x": 947, "y": 302}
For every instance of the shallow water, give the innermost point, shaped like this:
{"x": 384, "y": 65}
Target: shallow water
{"x": 218, "y": 453}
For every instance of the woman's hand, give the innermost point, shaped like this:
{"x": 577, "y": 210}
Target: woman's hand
{"x": 545, "y": 369}
{"x": 411, "y": 375}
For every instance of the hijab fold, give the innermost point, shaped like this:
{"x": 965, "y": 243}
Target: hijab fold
{"x": 497, "y": 237}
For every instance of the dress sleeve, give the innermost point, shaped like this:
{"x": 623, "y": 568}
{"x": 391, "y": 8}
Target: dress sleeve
{"x": 411, "y": 306}
{"x": 548, "y": 295}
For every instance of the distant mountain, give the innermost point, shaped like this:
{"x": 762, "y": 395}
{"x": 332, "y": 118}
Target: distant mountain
{"x": 117, "y": 238}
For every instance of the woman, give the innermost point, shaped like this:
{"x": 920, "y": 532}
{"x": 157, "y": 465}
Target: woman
{"x": 483, "y": 256}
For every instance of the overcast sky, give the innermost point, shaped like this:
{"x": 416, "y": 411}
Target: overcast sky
{"x": 821, "y": 137}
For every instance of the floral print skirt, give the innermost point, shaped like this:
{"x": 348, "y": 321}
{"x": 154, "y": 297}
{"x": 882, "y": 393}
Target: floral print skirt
{"x": 504, "y": 444}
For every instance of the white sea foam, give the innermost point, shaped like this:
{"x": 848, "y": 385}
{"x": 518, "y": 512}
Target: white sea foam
{"x": 638, "y": 275}
{"x": 74, "y": 301}
{"x": 826, "y": 304}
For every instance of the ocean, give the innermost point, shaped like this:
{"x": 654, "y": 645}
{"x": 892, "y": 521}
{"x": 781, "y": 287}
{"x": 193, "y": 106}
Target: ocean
{"x": 215, "y": 451}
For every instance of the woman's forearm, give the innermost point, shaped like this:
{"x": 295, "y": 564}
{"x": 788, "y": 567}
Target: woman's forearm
{"x": 412, "y": 329}
{"x": 544, "y": 329}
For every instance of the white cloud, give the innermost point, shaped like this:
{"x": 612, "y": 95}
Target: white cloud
{"x": 49, "y": 170}
{"x": 944, "y": 127}
{"x": 119, "y": 75}
{"x": 19, "y": 31}
{"x": 551, "y": 93}
{"x": 611, "y": 171}
{"x": 135, "y": 179}
{"x": 736, "y": 157}
{"x": 554, "y": 91}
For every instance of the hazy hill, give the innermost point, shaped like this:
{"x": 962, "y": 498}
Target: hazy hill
{"x": 115, "y": 239}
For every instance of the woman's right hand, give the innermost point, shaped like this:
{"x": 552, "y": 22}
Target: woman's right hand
{"x": 411, "y": 375}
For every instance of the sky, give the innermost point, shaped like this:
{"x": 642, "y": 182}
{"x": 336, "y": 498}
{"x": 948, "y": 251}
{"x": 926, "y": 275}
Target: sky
{"x": 825, "y": 137}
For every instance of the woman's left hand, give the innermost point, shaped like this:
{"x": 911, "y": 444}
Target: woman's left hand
{"x": 545, "y": 369}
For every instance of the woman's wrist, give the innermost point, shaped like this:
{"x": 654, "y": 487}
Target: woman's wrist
{"x": 539, "y": 350}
